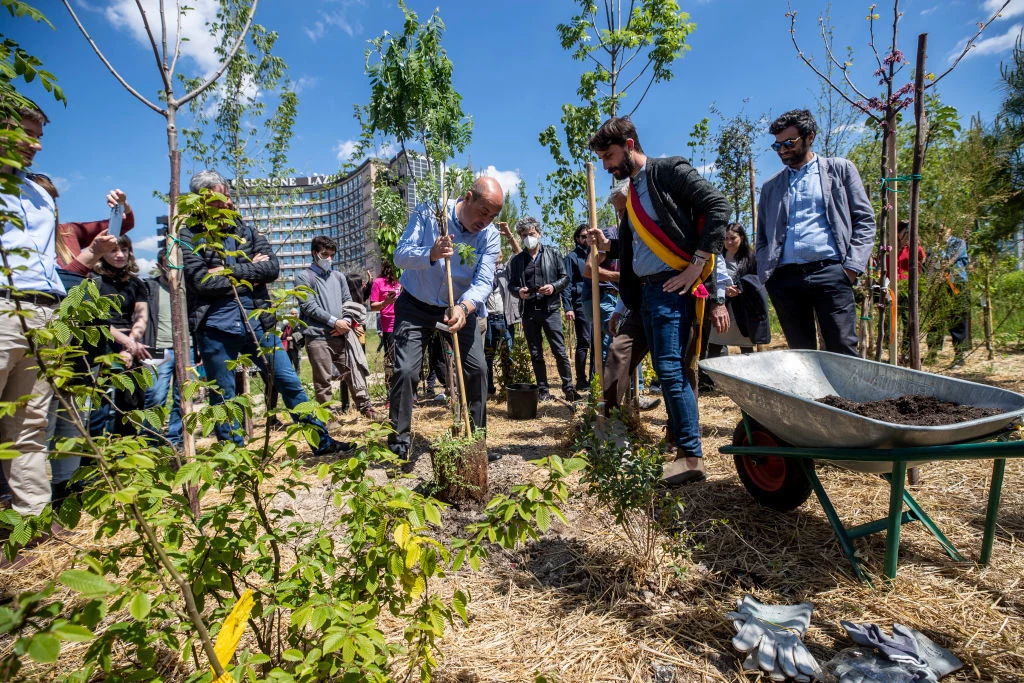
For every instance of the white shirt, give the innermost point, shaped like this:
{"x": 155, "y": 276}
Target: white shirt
{"x": 36, "y": 271}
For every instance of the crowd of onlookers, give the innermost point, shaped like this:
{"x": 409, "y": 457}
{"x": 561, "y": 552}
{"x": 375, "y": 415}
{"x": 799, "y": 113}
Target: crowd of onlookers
{"x": 676, "y": 280}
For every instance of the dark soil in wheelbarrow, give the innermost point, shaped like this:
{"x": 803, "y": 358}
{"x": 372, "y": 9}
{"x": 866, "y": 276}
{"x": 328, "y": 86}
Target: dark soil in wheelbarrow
{"x": 912, "y": 409}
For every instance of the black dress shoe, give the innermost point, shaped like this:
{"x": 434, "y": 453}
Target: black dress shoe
{"x": 329, "y": 446}
{"x": 494, "y": 457}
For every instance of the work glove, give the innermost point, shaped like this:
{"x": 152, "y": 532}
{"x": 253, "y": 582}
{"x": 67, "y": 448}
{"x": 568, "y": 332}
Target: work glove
{"x": 771, "y": 634}
{"x": 919, "y": 656}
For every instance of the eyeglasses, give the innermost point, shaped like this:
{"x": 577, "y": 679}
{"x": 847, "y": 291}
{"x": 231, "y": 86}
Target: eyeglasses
{"x": 788, "y": 144}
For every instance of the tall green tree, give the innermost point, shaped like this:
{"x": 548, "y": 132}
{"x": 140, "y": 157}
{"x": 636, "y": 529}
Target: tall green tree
{"x": 413, "y": 102}
{"x": 1009, "y": 129}
{"x": 735, "y": 147}
{"x": 166, "y": 46}
{"x": 628, "y": 49}
{"x": 230, "y": 129}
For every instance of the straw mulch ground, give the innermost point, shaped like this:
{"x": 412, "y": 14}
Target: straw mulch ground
{"x": 572, "y": 608}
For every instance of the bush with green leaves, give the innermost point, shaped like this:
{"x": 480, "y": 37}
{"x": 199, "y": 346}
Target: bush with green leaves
{"x": 177, "y": 544}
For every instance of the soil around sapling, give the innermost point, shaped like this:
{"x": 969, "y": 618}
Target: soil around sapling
{"x": 911, "y": 409}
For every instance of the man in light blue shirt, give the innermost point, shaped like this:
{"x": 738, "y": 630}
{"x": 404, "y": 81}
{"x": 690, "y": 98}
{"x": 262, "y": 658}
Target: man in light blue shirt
{"x": 33, "y": 286}
{"x": 473, "y": 244}
{"x": 815, "y": 231}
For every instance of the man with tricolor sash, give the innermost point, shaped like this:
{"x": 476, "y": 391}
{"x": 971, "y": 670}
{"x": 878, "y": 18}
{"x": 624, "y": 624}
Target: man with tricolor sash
{"x": 674, "y": 223}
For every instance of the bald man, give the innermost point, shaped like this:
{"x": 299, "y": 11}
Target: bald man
{"x": 424, "y": 299}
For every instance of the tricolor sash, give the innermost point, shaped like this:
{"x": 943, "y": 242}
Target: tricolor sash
{"x": 658, "y": 242}
{"x": 673, "y": 255}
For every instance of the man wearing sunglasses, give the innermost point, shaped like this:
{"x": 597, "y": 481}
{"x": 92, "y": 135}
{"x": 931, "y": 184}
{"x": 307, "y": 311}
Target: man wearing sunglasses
{"x": 815, "y": 231}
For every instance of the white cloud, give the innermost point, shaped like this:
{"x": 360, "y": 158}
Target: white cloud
{"x": 201, "y": 44}
{"x": 305, "y": 83}
{"x": 335, "y": 18}
{"x": 62, "y": 184}
{"x": 346, "y": 148}
{"x": 992, "y": 45}
{"x": 928, "y": 10}
{"x": 509, "y": 180}
{"x": 148, "y": 244}
{"x": 146, "y": 266}
{"x": 855, "y": 128}
{"x": 707, "y": 170}
{"x": 1013, "y": 9}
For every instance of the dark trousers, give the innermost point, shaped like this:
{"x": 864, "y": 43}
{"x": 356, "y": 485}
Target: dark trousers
{"x": 628, "y": 348}
{"x": 499, "y": 335}
{"x": 415, "y": 322}
{"x": 536, "y": 321}
{"x": 818, "y": 291}
{"x": 583, "y": 343}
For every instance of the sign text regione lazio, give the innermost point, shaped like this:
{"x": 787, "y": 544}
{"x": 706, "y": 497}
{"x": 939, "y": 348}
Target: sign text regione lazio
{"x": 286, "y": 182}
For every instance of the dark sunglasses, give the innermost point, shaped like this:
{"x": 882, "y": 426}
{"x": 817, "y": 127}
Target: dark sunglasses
{"x": 788, "y": 144}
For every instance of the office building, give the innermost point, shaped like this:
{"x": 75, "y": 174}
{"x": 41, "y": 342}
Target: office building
{"x": 291, "y": 211}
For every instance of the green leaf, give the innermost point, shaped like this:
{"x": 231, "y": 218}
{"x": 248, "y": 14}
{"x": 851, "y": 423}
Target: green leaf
{"x": 432, "y": 513}
{"x": 292, "y": 655}
{"x": 140, "y": 606}
{"x": 543, "y": 518}
{"x": 44, "y": 648}
{"x": 86, "y": 583}
{"x": 73, "y": 632}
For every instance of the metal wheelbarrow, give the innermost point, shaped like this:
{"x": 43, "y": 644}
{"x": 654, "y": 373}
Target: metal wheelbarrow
{"x": 784, "y": 430}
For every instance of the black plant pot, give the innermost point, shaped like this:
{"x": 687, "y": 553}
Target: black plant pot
{"x": 522, "y": 401}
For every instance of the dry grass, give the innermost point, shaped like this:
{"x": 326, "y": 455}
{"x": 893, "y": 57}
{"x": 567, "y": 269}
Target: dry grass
{"x": 567, "y": 607}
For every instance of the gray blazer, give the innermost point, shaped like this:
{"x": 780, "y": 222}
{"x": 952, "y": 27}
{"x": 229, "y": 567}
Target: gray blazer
{"x": 849, "y": 212}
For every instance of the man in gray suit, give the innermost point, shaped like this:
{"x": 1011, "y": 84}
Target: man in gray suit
{"x": 815, "y": 230}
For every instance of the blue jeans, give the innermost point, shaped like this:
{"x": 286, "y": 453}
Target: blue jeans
{"x": 668, "y": 318}
{"x": 607, "y": 305}
{"x": 156, "y": 396}
{"x": 217, "y": 347}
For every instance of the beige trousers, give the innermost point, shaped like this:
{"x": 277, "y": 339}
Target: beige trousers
{"x": 26, "y": 427}
{"x": 327, "y": 354}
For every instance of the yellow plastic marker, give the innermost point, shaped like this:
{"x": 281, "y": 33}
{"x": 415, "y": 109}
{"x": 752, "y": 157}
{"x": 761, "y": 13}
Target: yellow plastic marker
{"x": 231, "y": 633}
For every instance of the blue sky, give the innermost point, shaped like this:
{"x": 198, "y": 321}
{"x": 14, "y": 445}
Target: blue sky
{"x": 509, "y": 67}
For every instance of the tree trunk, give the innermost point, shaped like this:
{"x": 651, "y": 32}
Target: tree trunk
{"x": 890, "y": 154}
{"x": 753, "y": 199}
{"x": 921, "y": 123}
{"x": 987, "y": 313}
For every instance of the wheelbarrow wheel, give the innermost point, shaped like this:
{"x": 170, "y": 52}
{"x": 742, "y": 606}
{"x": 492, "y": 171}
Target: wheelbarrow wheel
{"x": 774, "y": 481}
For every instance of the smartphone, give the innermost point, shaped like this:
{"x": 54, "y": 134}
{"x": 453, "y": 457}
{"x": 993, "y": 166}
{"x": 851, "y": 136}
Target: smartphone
{"x": 116, "y": 218}
{"x": 441, "y": 326}
{"x": 156, "y": 354}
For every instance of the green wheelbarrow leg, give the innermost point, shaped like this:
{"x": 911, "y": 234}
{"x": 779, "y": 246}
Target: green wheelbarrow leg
{"x": 995, "y": 491}
{"x": 930, "y": 524}
{"x": 897, "y": 484}
{"x": 833, "y": 518}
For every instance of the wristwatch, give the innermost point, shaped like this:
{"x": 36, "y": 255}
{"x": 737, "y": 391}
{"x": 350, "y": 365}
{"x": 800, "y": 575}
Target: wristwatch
{"x": 720, "y": 300}
{"x": 465, "y": 308}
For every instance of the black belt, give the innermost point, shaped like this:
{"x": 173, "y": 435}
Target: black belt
{"x": 495, "y": 315}
{"x": 37, "y": 298}
{"x": 808, "y": 267}
{"x": 430, "y": 308}
{"x": 658, "y": 278}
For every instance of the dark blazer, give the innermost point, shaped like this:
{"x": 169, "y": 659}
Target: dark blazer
{"x": 552, "y": 272}
{"x": 203, "y": 291}
{"x": 680, "y": 197}
{"x": 847, "y": 208}
{"x": 750, "y": 310}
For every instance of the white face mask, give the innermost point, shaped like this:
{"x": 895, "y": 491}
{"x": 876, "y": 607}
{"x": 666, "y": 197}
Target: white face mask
{"x": 324, "y": 263}
{"x": 531, "y": 242}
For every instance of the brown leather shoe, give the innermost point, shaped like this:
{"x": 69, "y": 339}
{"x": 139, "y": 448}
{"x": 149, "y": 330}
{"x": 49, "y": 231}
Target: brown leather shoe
{"x": 684, "y": 471}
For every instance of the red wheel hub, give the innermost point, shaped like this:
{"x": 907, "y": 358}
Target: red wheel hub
{"x": 767, "y": 472}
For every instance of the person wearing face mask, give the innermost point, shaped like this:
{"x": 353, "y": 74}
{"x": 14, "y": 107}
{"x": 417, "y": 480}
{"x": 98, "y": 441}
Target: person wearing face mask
{"x": 218, "y": 312}
{"x": 537, "y": 277}
{"x": 329, "y": 330}
{"x": 423, "y": 303}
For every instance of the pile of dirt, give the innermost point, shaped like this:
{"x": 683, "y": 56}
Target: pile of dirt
{"x": 912, "y": 409}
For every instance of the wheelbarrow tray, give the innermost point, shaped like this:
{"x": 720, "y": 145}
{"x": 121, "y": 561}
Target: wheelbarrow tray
{"x": 779, "y": 389}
